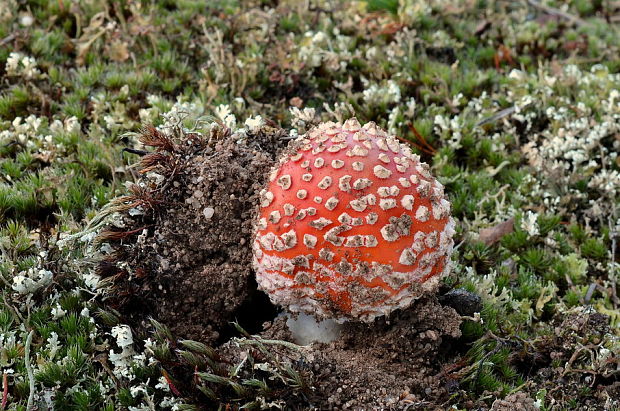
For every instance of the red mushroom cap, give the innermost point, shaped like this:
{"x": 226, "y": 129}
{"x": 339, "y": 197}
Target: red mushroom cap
{"x": 352, "y": 225}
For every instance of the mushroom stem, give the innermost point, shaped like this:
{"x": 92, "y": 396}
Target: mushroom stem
{"x": 306, "y": 329}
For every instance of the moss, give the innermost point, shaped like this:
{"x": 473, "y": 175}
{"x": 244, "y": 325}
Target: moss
{"x": 13, "y": 103}
{"x": 595, "y": 249}
{"x": 49, "y": 45}
{"x": 390, "y": 6}
{"x": 536, "y": 259}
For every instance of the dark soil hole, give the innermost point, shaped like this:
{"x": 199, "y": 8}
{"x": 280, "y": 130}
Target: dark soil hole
{"x": 251, "y": 314}
{"x": 41, "y": 217}
{"x": 452, "y": 347}
{"x": 529, "y": 364}
{"x": 445, "y": 55}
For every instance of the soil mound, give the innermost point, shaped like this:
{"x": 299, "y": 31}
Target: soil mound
{"x": 382, "y": 365}
{"x": 182, "y": 247}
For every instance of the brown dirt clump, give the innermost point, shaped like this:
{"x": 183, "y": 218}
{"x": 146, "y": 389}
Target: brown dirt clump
{"x": 383, "y": 365}
{"x": 182, "y": 251}
{"x": 582, "y": 363}
{"x": 517, "y": 401}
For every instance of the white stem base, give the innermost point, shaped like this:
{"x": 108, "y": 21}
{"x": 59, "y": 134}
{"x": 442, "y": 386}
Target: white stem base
{"x": 306, "y": 329}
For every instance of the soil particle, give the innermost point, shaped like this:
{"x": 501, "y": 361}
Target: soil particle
{"x": 517, "y": 401}
{"x": 383, "y": 365}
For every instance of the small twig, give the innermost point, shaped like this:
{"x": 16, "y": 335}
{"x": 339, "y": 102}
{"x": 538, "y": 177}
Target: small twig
{"x": 15, "y": 143}
{"x": 519, "y": 388}
{"x": 422, "y": 139}
{"x": 572, "y": 359}
{"x": 135, "y": 151}
{"x": 589, "y": 293}
{"x": 258, "y": 341}
{"x": 168, "y": 181}
{"x": 423, "y": 145}
{"x": 29, "y": 370}
{"x": 255, "y": 103}
{"x": 557, "y": 12}
{"x": 8, "y": 305}
{"x": 8, "y": 39}
{"x": 497, "y": 338}
{"x": 497, "y": 116}
{"x": 103, "y": 360}
{"x": 614, "y": 235}
{"x": 451, "y": 368}
{"x": 582, "y": 371}
{"x": 4, "y": 280}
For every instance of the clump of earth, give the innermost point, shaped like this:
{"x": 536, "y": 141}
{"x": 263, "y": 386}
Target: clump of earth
{"x": 386, "y": 364}
{"x": 188, "y": 260}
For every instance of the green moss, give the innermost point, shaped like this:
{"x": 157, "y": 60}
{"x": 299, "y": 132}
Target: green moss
{"x": 536, "y": 259}
{"x": 515, "y": 241}
{"x": 595, "y": 249}
{"x": 390, "y": 6}
{"x": 48, "y": 45}
{"x": 14, "y": 102}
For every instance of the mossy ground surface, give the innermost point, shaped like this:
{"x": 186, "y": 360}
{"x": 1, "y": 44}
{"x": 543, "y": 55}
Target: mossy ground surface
{"x": 515, "y": 105}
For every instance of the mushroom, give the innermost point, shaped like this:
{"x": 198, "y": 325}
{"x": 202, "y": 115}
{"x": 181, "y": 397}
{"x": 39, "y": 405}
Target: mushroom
{"x": 351, "y": 225}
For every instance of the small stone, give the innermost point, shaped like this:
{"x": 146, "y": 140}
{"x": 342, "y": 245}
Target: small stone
{"x": 464, "y": 302}
{"x": 208, "y": 212}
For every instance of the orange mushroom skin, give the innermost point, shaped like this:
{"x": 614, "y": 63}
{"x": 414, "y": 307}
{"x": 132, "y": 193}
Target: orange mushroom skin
{"x": 351, "y": 226}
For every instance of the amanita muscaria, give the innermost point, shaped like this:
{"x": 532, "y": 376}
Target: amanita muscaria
{"x": 351, "y": 225}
